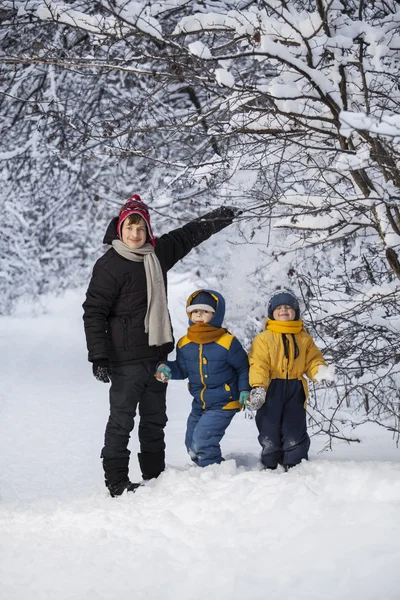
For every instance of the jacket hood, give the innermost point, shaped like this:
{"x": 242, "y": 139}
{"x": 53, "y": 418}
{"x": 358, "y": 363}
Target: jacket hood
{"x": 111, "y": 232}
{"x": 219, "y": 314}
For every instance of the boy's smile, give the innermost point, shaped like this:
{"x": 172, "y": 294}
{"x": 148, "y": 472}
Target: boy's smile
{"x": 201, "y": 316}
{"x": 134, "y": 234}
{"x": 284, "y": 313}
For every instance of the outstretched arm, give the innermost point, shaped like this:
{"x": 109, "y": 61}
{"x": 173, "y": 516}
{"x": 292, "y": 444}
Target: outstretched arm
{"x": 173, "y": 246}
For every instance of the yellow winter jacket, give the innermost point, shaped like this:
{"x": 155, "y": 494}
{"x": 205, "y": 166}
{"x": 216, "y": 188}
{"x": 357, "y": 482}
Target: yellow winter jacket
{"x": 272, "y": 354}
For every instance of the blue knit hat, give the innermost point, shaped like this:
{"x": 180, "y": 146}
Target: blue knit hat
{"x": 284, "y": 297}
{"x": 202, "y": 301}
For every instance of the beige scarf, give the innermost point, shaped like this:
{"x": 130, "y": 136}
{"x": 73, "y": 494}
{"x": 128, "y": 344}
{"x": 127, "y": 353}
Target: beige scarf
{"x": 157, "y": 322}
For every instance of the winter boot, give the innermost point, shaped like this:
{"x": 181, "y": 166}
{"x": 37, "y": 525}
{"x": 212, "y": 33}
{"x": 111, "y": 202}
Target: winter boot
{"x": 119, "y": 488}
{"x": 287, "y": 467}
{"x": 151, "y": 463}
{"x": 116, "y": 476}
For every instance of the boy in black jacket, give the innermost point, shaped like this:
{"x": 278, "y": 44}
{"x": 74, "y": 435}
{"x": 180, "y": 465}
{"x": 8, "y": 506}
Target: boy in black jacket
{"x": 128, "y": 331}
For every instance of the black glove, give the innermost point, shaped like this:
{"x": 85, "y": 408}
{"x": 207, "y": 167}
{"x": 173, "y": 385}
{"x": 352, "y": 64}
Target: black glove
{"x": 100, "y": 370}
{"x": 211, "y": 223}
{"x": 236, "y": 210}
{"x": 230, "y": 212}
{"x": 221, "y": 217}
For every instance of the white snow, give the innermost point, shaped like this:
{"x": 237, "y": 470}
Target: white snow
{"x": 132, "y": 12}
{"x": 199, "y": 49}
{"x": 224, "y": 78}
{"x": 327, "y": 530}
{"x": 388, "y": 124}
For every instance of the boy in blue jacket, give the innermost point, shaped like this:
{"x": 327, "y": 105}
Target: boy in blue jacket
{"x": 218, "y": 371}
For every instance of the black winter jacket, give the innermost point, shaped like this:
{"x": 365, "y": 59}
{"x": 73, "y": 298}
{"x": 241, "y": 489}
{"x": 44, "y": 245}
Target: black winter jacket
{"x": 116, "y": 299}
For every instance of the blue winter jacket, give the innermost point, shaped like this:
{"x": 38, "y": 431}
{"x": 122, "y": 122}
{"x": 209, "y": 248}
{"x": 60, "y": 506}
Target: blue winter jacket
{"x": 217, "y": 371}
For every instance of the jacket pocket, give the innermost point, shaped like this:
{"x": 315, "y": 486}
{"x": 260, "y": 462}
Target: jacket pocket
{"x": 228, "y": 390}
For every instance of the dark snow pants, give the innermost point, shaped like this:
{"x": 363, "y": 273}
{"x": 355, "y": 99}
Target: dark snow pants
{"x": 135, "y": 387}
{"x": 282, "y": 426}
{"x": 204, "y": 431}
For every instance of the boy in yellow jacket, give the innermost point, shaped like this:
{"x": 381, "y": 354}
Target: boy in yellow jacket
{"x": 279, "y": 358}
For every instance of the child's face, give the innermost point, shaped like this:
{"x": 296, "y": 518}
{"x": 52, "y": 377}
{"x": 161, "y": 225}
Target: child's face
{"x": 201, "y": 316}
{"x": 134, "y": 234}
{"x": 284, "y": 313}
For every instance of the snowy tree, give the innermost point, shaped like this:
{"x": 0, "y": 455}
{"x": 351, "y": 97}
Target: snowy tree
{"x": 324, "y": 131}
{"x": 289, "y": 109}
{"x": 76, "y": 143}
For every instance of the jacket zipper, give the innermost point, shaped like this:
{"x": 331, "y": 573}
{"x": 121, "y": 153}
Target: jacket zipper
{"x": 286, "y": 352}
{"x": 201, "y": 376}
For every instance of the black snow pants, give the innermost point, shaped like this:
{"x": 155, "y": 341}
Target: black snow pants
{"x": 135, "y": 387}
{"x": 282, "y": 426}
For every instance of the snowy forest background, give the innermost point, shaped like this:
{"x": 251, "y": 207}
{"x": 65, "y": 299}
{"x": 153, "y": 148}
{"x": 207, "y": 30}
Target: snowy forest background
{"x": 288, "y": 109}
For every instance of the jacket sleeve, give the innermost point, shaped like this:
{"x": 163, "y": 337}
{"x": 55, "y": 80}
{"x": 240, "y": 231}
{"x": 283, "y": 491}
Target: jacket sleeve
{"x": 260, "y": 363}
{"x": 178, "y": 366}
{"x": 100, "y": 296}
{"x": 173, "y": 246}
{"x": 237, "y": 357}
{"x": 314, "y": 359}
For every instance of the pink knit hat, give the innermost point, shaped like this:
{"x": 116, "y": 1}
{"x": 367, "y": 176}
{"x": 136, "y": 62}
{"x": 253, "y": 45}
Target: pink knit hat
{"x": 135, "y": 206}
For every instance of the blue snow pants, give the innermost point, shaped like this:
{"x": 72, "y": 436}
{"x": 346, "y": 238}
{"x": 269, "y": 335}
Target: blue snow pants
{"x": 204, "y": 431}
{"x": 282, "y": 426}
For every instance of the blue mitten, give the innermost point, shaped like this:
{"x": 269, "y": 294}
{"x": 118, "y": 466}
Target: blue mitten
{"x": 163, "y": 373}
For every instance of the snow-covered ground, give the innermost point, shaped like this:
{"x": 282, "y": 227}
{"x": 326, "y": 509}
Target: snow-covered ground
{"x": 329, "y": 529}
